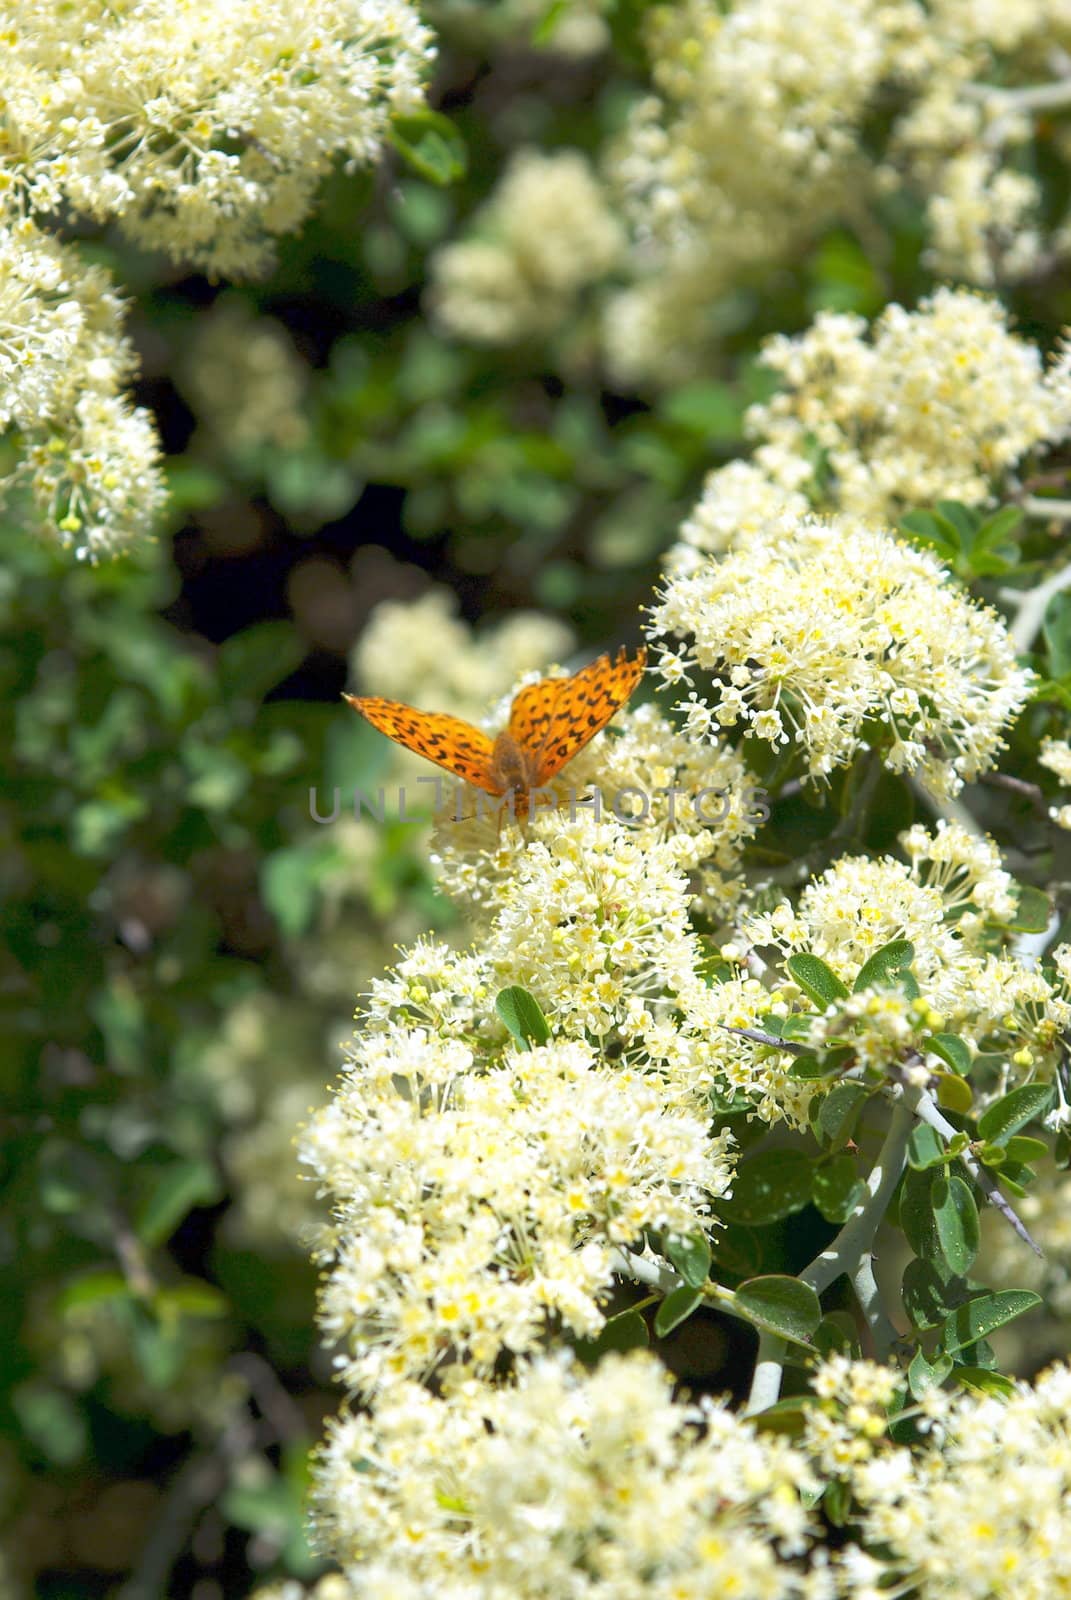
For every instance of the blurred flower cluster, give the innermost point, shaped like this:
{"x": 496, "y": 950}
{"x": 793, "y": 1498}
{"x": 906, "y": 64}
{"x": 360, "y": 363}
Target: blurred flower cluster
{"x": 203, "y": 131}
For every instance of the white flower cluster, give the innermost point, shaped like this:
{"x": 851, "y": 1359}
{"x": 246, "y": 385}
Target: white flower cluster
{"x": 998, "y": 1473}
{"x": 1056, "y": 755}
{"x": 756, "y": 138}
{"x": 476, "y": 1195}
{"x": 941, "y": 403}
{"x": 201, "y": 128}
{"x": 411, "y": 648}
{"x": 91, "y": 459}
{"x": 544, "y": 236}
{"x": 246, "y": 382}
{"x": 811, "y": 631}
{"x": 566, "y": 1485}
{"x": 938, "y": 403}
{"x": 952, "y": 900}
{"x": 572, "y": 1485}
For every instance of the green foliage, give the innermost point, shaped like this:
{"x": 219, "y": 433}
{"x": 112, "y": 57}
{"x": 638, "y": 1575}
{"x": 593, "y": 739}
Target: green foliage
{"x": 522, "y": 1016}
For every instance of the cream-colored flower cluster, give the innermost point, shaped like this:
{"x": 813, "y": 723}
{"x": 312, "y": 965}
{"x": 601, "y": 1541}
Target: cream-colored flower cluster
{"x": 89, "y": 456}
{"x": 544, "y": 236}
{"x": 1056, "y": 755}
{"x": 952, "y": 899}
{"x": 760, "y": 133}
{"x": 996, "y": 1476}
{"x": 411, "y": 648}
{"x": 478, "y": 1193}
{"x": 202, "y": 129}
{"x": 566, "y": 1485}
{"x": 814, "y": 631}
{"x": 940, "y": 403}
{"x": 245, "y": 381}
{"x": 592, "y": 1485}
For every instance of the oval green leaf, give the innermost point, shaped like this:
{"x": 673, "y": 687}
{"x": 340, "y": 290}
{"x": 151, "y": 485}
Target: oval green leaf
{"x": 818, "y": 982}
{"x": 676, "y": 1308}
{"x": 691, "y": 1257}
{"x": 770, "y": 1186}
{"x": 780, "y": 1305}
{"x": 522, "y": 1015}
{"x": 887, "y": 966}
{"x": 980, "y": 1316}
{"x": 1014, "y": 1111}
{"x": 956, "y": 1217}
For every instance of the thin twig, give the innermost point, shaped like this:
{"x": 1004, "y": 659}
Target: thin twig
{"x": 1020, "y": 787}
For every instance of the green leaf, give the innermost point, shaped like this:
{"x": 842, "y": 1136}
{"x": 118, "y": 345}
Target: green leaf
{"x": 935, "y": 532}
{"x": 810, "y": 1067}
{"x": 930, "y": 1293}
{"x": 953, "y": 1050}
{"x": 962, "y": 518}
{"x": 924, "y": 1374}
{"x": 431, "y": 144}
{"x": 980, "y": 1381}
{"x": 817, "y": 981}
{"x": 291, "y": 882}
{"x": 771, "y": 1185}
{"x": 190, "y": 1298}
{"x": 837, "y": 1334}
{"x": 1033, "y": 909}
{"x": 1021, "y": 1147}
{"x": 780, "y": 1305}
{"x": 258, "y": 658}
{"x": 979, "y": 1317}
{"x": 925, "y": 1148}
{"x": 1014, "y": 1111}
{"x": 887, "y": 966}
{"x": 916, "y": 1215}
{"x": 175, "y": 1192}
{"x": 837, "y": 1115}
{"x": 522, "y": 1015}
{"x": 53, "y": 1422}
{"x": 691, "y": 1256}
{"x": 956, "y": 1217}
{"x": 996, "y": 529}
{"x": 836, "y": 1188}
{"x": 676, "y": 1308}
{"x": 91, "y": 1288}
{"x": 786, "y": 1417}
{"x": 953, "y": 1093}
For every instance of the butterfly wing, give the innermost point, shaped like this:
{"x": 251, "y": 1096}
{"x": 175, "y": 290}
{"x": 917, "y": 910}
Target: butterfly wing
{"x": 554, "y": 719}
{"x": 448, "y": 741}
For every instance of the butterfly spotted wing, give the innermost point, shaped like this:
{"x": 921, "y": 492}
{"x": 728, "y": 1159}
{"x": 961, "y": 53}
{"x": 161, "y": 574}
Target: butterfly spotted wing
{"x": 448, "y": 741}
{"x": 555, "y": 718}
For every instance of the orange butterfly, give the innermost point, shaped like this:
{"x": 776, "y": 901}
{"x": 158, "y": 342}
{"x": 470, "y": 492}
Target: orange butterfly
{"x": 549, "y": 722}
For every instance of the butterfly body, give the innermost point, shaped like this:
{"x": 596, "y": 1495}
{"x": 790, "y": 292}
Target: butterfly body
{"x": 512, "y": 766}
{"x": 549, "y": 723}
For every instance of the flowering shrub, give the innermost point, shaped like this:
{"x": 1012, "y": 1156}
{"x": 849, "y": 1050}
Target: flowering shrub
{"x": 688, "y": 1195}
